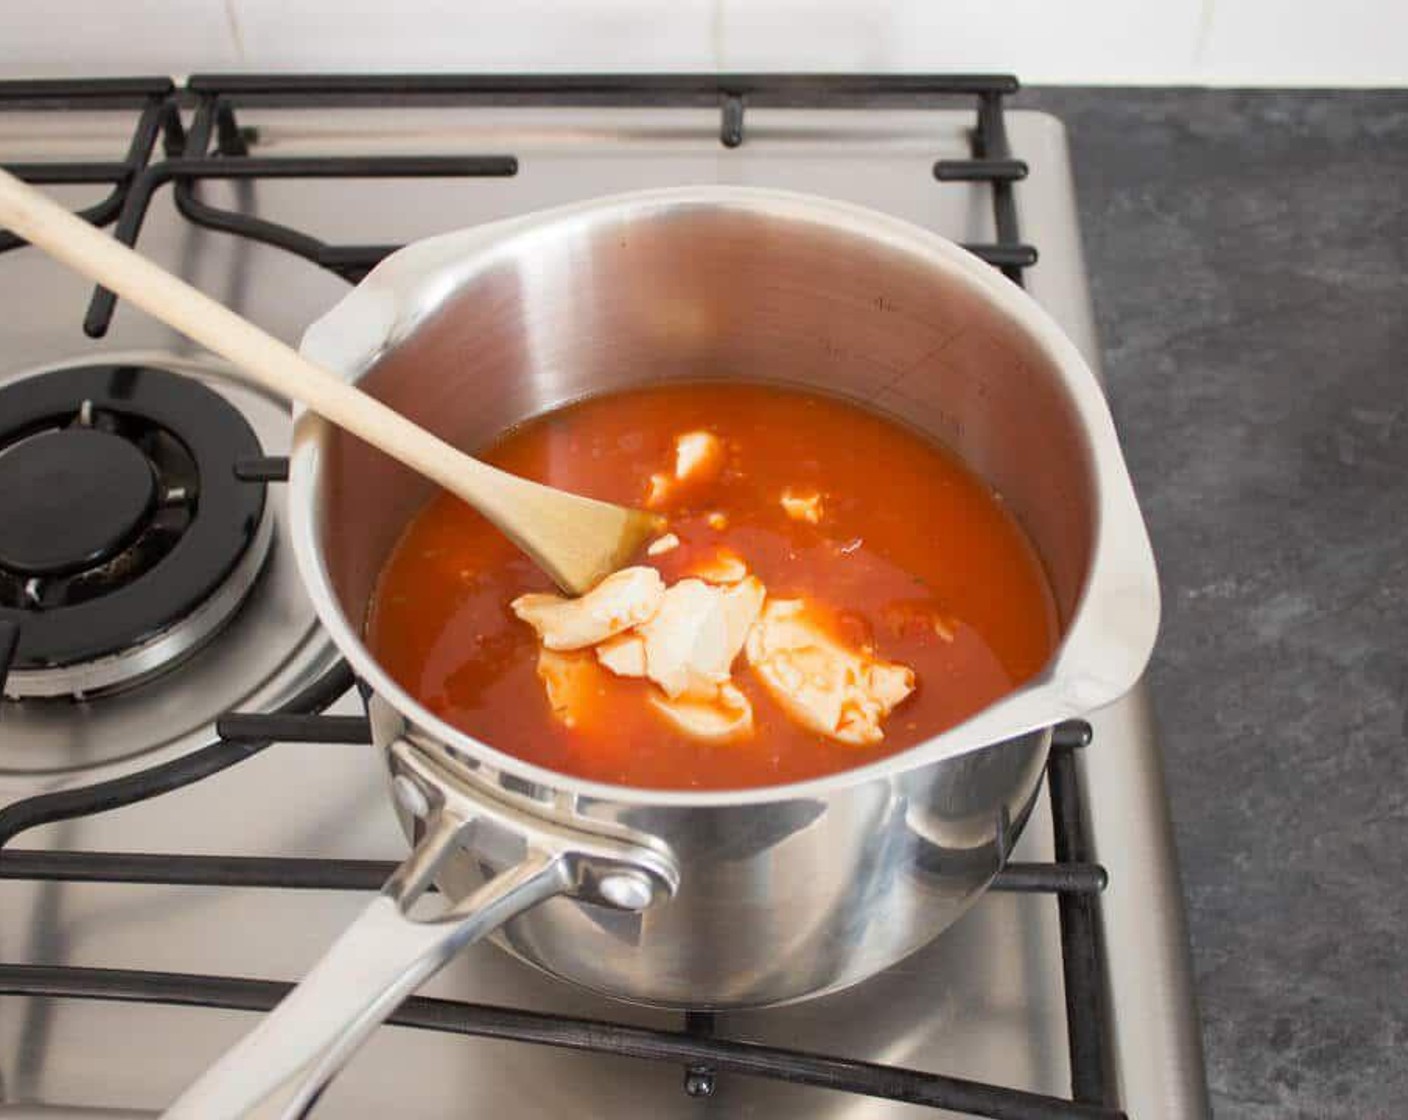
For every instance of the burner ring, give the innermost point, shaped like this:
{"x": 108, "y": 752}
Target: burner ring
{"x": 203, "y": 525}
{"x": 136, "y": 664}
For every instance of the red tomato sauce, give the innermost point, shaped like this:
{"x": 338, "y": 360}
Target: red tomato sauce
{"x": 914, "y": 555}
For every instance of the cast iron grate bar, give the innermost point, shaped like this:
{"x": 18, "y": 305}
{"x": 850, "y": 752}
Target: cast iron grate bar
{"x": 288, "y": 873}
{"x": 265, "y": 872}
{"x": 1011, "y": 259}
{"x": 265, "y": 468}
{"x": 157, "y": 117}
{"x": 310, "y": 727}
{"x": 1072, "y": 734}
{"x": 990, "y": 145}
{"x": 686, "y": 1048}
{"x": 9, "y": 640}
{"x": 980, "y": 170}
{"x": 215, "y": 118}
{"x": 56, "y": 172}
{"x": 778, "y": 90}
{"x": 292, "y": 727}
{"x": 731, "y": 124}
{"x": 83, "y": 801}
{"x": 338, "y": 167}
{"x": 85, "y": 93}
{"x": 1052, "y": 878}
{"x": 1082, "y": 940}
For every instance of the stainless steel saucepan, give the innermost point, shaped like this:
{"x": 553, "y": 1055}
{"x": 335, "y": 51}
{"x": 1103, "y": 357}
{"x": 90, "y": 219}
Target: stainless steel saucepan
{"x": 696, "y": 900}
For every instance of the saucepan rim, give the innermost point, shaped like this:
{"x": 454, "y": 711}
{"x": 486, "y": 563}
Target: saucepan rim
{"x": 1113, "y": 623}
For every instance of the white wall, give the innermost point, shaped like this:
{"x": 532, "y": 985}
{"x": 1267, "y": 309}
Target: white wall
{"x": 1216, "y": 42}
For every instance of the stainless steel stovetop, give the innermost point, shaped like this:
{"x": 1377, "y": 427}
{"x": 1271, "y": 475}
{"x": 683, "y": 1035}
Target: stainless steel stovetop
{"x": 984, "y": 1001}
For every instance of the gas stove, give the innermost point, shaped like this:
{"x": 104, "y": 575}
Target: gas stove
{"x": 186, "y": 814}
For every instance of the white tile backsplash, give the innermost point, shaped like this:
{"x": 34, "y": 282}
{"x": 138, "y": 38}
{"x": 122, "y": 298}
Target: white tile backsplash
{"x": 1336, "y": 42}
{"x": 1039, "y": 40}
{"x": 486, "y": 35}
{"x": 1224, "y": 42}
{"x": 64, "y": 38}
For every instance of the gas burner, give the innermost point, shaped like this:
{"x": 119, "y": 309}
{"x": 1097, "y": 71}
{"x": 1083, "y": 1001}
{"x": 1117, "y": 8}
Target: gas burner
{"x": 125, "y": 538}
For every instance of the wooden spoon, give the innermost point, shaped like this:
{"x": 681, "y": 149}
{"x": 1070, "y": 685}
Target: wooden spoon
{"x": 575, "y": 540}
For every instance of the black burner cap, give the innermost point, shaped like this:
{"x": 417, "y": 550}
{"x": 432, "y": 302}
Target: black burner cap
{"x": 70, "y": 499}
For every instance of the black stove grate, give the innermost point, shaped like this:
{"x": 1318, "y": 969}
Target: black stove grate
{"x": 157, "y": 115}
{"x": 704, "y": 1056}
{"x": 216, "y": 147}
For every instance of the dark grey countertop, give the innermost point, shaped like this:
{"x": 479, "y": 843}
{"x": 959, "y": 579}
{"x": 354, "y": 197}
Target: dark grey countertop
{"x": 1249, "y": 262}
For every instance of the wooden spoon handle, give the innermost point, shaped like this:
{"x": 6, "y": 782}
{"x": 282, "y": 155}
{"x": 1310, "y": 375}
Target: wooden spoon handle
{"x": 257, "y": 354}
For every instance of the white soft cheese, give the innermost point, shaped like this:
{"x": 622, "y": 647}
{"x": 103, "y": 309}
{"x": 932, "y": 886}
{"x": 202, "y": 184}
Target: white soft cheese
{"x": 802, "y": 505}
{"x": 728, "y": 716}
{"x": 571, "y": 682}
{"x": 699, "y": 458}
{"x": 620, "y": 601}
{"x": 820, "y": 683}
{"x": 692, "y": 640}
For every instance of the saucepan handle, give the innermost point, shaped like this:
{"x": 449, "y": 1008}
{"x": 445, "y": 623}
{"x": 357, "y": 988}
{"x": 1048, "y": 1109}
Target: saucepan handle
{"x": 279, "y": 1069}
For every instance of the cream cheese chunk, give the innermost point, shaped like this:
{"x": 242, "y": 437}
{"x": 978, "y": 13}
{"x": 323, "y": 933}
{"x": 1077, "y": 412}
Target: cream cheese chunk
{"x": 660, "y": 545}
{"x": 684, "y": 639}
{"x": 692, "y": 640}
{"x": 820, "y": 683}
{"x": 722, "y": 566}
{"x": 699, "y": 458}
{"x": 624, "y": 655}
{"x": 743, "y": 602}
{"x": 728, "y": 715}
{"x": 802, "y": 505}
{"x": 620, "y": 601}
{"x": 571, "y": 682}
{"x": 659, "y": 490}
